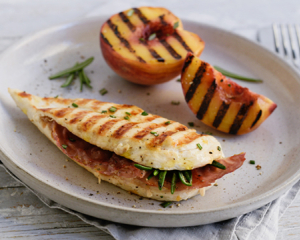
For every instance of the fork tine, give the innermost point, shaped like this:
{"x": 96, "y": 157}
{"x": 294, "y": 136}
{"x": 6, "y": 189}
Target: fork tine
{"x": 293, "y": 46}
{"x": 284, "y": 40}
{"x": 276, "y": 37}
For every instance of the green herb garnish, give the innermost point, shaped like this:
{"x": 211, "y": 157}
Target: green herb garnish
{"x": 183, "y": 179}
{"x": 69, "y": 80}
{"x": 173, "y": 183}
{"x": 64, "y": 146}
{"x": 219, "y": 148}
{"x": 104, "y": 111}
{"x": 74, "y": 105}
{"x": 56, "y": 96}
{"x": 112, "y": 116}
{"x": 218, "y": 165}
{"x": 112, "y": 109}
{"x": 130, "y": 12}
{"x": 236, "y": 76}
{"x": 103, "y": 91}
{"x": 178, "y": 80}
{"x": 199, "y": 146}
{"x": 152, "y": 36}
{"x": 166, "y": 204}
{"x": 126, "y": 117}
{"x": 142, "y": 39}
{"x": 161, "y": 179}
{"x": 128, "y": 113}
{"x": 154, "y": 133}
{"x": 176, "y": 25}
{"x": 191, "y": 124}
{"x": 252, "y": 162}
{"x": 175, "y": 103}
{"x": 144, "y": 113}
{"x": 168, "y": 122}
{"x": 141, "y": 167}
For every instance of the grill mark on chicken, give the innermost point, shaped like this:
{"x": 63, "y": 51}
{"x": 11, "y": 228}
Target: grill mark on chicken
{"x": 106, "y": 41}
{"x": 141, "y": 16}
{"x": 90, "y": 122}
{"x": 182, "y": 42}
{"x": 239, "y": 118}
{"x": 77, "y": 116}
{"x": 141, "y": 134}
{"x": 151, "y": 118}
{"x": 188, "y": 138}
{"x": 123, "y": 129}
{"x": 127, "y": 22}
{"x": 114, "y": 28}
{"x": 106, "y": 126}
{"x": 170, "y": 49}
{"x": 206, "y": 101}
{"x": 59, "y": 113}
{"x": 161, "y": 138}
{"x": 257, "y": 118}
{"x": 24, "y": 95}
{"x": 220, "y": 114}
{"x": 187, "y": 62}
{"x": 196, "y": 81}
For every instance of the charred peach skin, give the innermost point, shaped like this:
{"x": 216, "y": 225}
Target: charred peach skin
{"x": 128, "y": 50}
{"x": 220, "y": 102}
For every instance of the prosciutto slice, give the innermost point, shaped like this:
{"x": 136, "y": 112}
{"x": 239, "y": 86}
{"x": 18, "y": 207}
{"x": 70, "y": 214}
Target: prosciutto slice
{"x": 108, "y": 163}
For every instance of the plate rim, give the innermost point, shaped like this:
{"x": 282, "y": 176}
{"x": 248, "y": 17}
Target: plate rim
{"x": 265, "y": 197}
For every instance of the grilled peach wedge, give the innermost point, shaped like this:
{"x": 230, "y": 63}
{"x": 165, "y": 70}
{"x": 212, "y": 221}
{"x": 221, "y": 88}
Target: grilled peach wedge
{"x": 147, "y": 45}
{"x": 220, "y": 102}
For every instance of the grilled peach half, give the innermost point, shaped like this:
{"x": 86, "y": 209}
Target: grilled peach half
{"x": 147, "y": 45}
{"x": 220, "y": 102}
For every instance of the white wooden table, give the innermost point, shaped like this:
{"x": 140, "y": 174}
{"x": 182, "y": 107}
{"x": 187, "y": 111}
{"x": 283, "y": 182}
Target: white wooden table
{"x": 22, "y": 215}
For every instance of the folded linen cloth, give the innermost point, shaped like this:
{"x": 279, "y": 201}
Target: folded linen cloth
{"x": 261, "y": 224}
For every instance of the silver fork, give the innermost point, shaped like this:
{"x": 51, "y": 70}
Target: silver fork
{"x": 288, "y": 37}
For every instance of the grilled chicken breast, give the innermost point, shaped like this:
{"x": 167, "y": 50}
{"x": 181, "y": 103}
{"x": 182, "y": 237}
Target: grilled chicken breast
{"x": 108, "y": 139}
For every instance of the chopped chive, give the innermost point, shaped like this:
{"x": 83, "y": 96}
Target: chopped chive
{"x": 86, "y": 80}
{"x": 68, "y": 81}
{"x": 208, "y": 133}
{"x": 81, "y": 80}
{"x": 184, "y": 180}
{"x": 219, "y": 148}
{"x": 175, "y": 103}
{"x": 166, "y": 204}
{"x": 112, "y": 109}
{"x": 176, "y": 25}
{"x": 236, "y": 76}
{"x": 104, "y": 111}
{"x": 72, "y": 139}
{"x": 218, "y": 165}
{"x": 112, "y": 116}
{"x": 56, "y": 96}
{"x": 141, "y": 167}
{"x": 161, "y": 179}
{"x": 168, "y": 122}
{"x": 252, "y": 162}
{"x": 199, "y": 146}
{"x": 126, "y": 117}
{"x": 128, "y": 113}
{"x": 173, "y": 183}
{"x": 229, "y": 85}
{"x": 130, "y": 12}
{"x": 76, "y": 68}
{"x": 154, "y": 133}
{"x": 188, "y": 175}
{"x": 74, "y": 105}
{"x": 178, "y": 80}
{"x": 152, "y": 36}
{"x": 142, "y": 39}
{"x": 144, "y": 113}
{"x": 191, "y": 124}
{"x": 155, "y": 172}
{"x": 103, "y": 91}
{"x": 64, "y": 146}
{"x": 150, "y": 176}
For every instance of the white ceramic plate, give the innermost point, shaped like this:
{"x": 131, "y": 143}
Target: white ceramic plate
{"x": 36, "y": 161}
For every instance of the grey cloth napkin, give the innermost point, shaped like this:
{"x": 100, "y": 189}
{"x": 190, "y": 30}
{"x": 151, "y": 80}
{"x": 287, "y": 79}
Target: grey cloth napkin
{"x": 261, "y": 224}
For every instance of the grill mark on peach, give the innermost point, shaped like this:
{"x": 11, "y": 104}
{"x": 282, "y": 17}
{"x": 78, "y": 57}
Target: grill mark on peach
{"x": 156, "y": 55}
{"x": 187, "y": 62}
{"x": 182, "y": 42}
{"x": 62, "y": 112}
{"x": 141, "y": 16}
{"x": 239, "y": 118}
{"x": 196, "y": 81}
{"x": 106, "y": 126}
{"x": 206, "y": 101}
{"x": 78, "y": 117}
{"x": 220, "y": 114}
{"x": 90, "y": 122}
{"x": 106, "y": 40}
{"x": 170, "y": 49}
{"x": 123, "y": 129}
{"x": 188, "y": 138}
{"x": 114, "y": 28}
{"x": 257, "y": 118}
{"x": 127, "y": 22}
